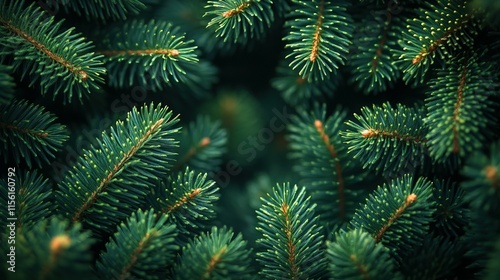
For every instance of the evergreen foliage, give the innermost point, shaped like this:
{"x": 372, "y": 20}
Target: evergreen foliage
{"x": 120, "y": 170}
{"x": 120, "y": 187}
{"x": 291, "y": 238}
{"x": 140, "y": 248}
{"x": 60, "y": 62}
{"x": 29, "y": 133}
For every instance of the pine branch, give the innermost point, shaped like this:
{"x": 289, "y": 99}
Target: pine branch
{"x": 6, "y": 84}
{"x": 386, "y": 138}
{"x": 101, "y": 9}
{"x": 31, "y": 195}
{"x": 452, "y": 215}
{"x": 54, "y": 250}
{"x": 319, "y": 37}
{"x": 355, "y": 255}
{"x": 202, "y": 145}
{"x": 291, "y": 242}
{"x": 482, "y": 180}
{"x": 148, "y": 54}
{"x": 29, "y": 133}
{"x": 459, "y": 109}
{"x": 398, "y": 214}
{"x": 438, "y": 30}
{"x": 372, "y": 64}
{"x": 215, "y": 255}
{"x": 326, "y": 170}
{"x": 141, "y": 247}
{"x": 115, "y": 176}
{"x": 239, "y": 20}
{"x": 188, "y": 200}
{"x": 61, "y": 62}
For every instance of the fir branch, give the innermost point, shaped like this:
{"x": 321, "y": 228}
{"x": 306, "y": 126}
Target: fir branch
{"x": 141, "y": 247}
{"x": 398, "y": 214}
{"x": 115, "y": 176}
{"x": 215, "y": 255}
{"x": 52, "y": 249}
{"x": 146, "y": 54}
{"x": 291, "y": 237}
{"x": 372, "y": 64}
{"x": 202, "y": 145}
{"x": 355, "y": 255}
{"x": 6, "y": 84}
{"x": 319, "y": 37}
{"x": 452, "y": 215}
{"x": 32, "y": 199}
{"x": 29, "y": 133}
{"x": 386, "y": 138}
{"x": 323, "y": 165}
{"x": 438, "y": 29}
{"x": 457, "y": 104}
{"x": 239, "y": 20}
{"x": 482, "y": 180}
{"x": 59, "y": 61}
{"x": 187, "y": 199}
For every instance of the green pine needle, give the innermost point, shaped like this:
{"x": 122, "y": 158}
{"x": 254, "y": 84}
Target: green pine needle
{"x": 398, "y": 214}
{"x": 147, "y": 54}
{"x": 60, "y": 62}
{"x": 29, "y": 133}
{"x": 436, "y": 31}
{"x": 292, "y": 240}
{"x": 452, "y": 215}
{"x": 6, "y": 84}
{"x": 319, "y": 37}
{"x": 114, "y": 176}
{"x": 355, "y": 255}
{"x": 141, "y": 248}
{"x": 217, "y": 254}
{"x": 239, "y": 20}
{"x": 189, "y": 200}
{"x": 482, "y": 180}
{"x": 458, "y": 108}
{"x": 102, "y": 9}
{"x": 387, "y": 138}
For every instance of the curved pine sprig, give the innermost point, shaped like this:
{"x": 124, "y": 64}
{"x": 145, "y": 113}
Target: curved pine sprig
{"x": 452, "y": 214}
{"x": 436, "y": 258}
{"x": 217, "y": 254}
{"x": 386, "y": 138}
{"x": 148, "y": 54}
{"x": 202, "y": 145}
{"x": 189, "y": 200}
{"x": 373, "y": 67}
{"x": 291, "y": 242}
{"x": 437, "y": 30}
{"x": 6, "y": 84}
{"x": 355, "y": 255}
{"x": 101, "y": 9}
{"x": 482, "y": 180}
{"x": 60, "y": 62}
{"x": 29, "y": 133}
{"x": 114, "y": 176}
{"x": 53, "y": 249}
{"x": 398, "y": 214}
{"x": 319, "y": 37}
{"x": 296, "y": 90}
{"x": 141, "y": 248}
{"x": 239, "y": 20}
{"x": 32, "y": 195}
{"x": 329, "y": 174}
{"x": 459, "y": 109}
